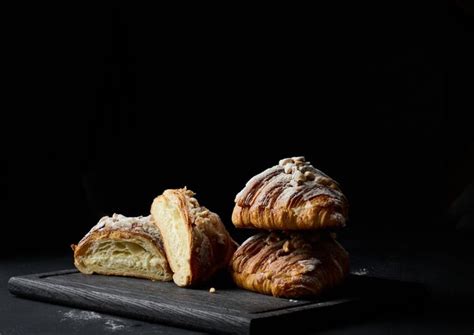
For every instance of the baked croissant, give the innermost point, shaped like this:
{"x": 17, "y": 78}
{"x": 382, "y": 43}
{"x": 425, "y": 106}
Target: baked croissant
{"x": 292, "y": 195}
{"x": 290, "y": 265}
{"x": 196, "y": 242}
{"x": 123, "y": 246}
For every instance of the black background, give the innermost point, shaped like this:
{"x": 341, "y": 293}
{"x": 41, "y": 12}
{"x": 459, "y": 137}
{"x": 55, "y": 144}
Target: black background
{"x": 105, "y": 106}
{"x": 109, "y": 106}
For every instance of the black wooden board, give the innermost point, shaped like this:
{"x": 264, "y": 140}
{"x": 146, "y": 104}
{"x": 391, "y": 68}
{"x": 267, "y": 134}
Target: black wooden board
{"x": 228, "y": 310}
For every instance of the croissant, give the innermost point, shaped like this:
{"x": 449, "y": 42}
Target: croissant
{"x": 196, "y": 242}
{"x": 291, "y": 265}
{"x": 123, "y": 246}
{"x": 292, "y": 195}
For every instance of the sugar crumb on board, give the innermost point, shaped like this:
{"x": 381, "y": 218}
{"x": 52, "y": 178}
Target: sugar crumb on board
{"x": 80, "y": 315}
{"x": 89, "y": 316}
{"x": 112, "y": 325}
{"x": 360, "y": 272}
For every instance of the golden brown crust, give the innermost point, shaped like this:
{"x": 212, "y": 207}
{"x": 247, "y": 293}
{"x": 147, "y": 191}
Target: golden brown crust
{"x": 210, "y": 244}
{"x": 290, "y": 265}
{"x": 139, "y": 231}
{"x": 290, "y": 196}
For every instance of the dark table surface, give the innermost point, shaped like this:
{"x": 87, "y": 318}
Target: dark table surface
{"x": 443, "y": 266}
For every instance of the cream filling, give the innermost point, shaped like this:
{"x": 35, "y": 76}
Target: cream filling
{"x": 123, "y": 256}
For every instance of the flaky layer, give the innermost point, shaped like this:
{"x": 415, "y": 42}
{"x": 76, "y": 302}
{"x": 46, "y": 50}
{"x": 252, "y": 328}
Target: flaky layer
{"x": 196, "y": 242}
{"x": 290, "y": 196}
{"x": 290, "y": 265}
{"x": 123, "y": 246}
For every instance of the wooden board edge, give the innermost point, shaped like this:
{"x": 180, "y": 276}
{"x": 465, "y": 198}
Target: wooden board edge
{"x": 32, "y": 287}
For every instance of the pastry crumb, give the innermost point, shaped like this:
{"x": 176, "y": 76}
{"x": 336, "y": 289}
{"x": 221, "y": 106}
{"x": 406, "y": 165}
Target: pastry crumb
{"x": 212, "y": 290}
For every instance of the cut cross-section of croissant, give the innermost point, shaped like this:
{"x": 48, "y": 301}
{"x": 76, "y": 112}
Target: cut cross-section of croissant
{"x": 291, "y": 264}
{"x": 196, "y": 242}
{"x": 123, "y": 246}
{"x": 292, "y": 195}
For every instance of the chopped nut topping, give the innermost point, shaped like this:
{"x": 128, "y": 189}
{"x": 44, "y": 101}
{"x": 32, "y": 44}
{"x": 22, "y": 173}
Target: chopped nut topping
{"x": 299, "y": 164}
{"x": 309, "y": 175}
{"x": 288, "y": 169}
{"x": 203, "y": 213}
{"x": 286, "y": 246}
{"x": 190, "y": 193}
{"x": 298, "y": 159}
{"x": 299, "y": 177}
{"x": 322, "y": 180}
{"x": 304, "y": 168}
{"x": 285, "y": 161}
{"x": 194, "y": 202}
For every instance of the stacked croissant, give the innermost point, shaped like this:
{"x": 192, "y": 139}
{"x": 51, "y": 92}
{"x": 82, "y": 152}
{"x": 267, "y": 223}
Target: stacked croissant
{"x": 296, "y": 254}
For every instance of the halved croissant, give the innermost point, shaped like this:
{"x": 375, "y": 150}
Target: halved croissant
{"x": 123, "y": 246}
{"x": 196, "y": 242}
{"x": 291, "y": 265}
{"x": 292, "y": 195}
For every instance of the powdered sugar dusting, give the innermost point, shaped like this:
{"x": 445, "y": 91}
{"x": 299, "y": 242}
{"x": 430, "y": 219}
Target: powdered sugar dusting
{"x": 80, "y": 315}
{"x": 88, "y": 316}
{"x": 361, "y": 272}
{"x": 112, "y": 325}
{"x": 140, "y": 224}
